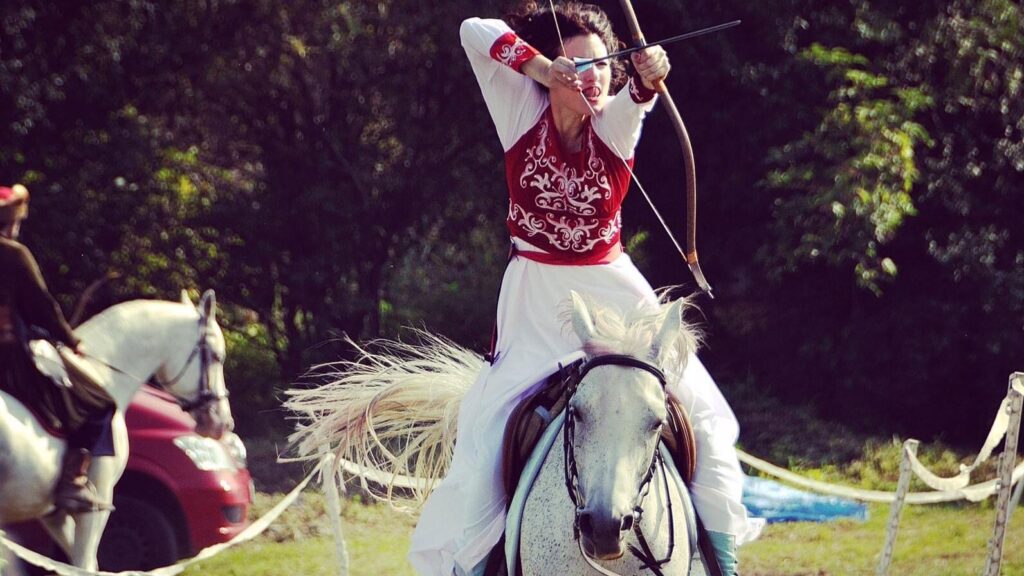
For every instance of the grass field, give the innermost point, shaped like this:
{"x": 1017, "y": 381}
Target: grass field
{"x": 948, "y": 540}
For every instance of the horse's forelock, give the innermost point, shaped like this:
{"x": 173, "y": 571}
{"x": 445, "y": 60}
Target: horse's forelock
{"x": 633, "y": 332}
{"x": 594, "y": 348}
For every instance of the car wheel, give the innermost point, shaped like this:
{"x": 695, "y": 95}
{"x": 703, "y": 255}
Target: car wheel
{"x": 139, "y": 536}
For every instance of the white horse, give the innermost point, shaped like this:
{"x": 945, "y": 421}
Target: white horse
{"x": 607, "y": 490}
{"x": 179, "y": 345}
{"x": 390, "y": 417}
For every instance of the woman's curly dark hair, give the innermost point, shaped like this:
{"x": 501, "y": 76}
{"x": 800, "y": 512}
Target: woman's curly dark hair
{"x": 533, "y": 23}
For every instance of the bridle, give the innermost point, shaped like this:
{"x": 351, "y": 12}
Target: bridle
{"x": 644, "y": 552}
{"x": 207, "y": 357}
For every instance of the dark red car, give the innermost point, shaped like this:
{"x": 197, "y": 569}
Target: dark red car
{"x": 179, "y": 494}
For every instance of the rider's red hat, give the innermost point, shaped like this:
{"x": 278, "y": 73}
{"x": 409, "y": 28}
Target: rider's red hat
{"x": 13, "y": 203}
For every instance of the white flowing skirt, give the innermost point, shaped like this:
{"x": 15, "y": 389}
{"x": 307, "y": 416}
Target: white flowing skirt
{"x": 465, "y": 515}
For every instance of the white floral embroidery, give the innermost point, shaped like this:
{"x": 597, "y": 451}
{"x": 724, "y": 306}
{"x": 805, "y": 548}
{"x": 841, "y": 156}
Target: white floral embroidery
{"x": 610, "y": 232}
{"x": 560, "y": 188}
{"x": 635, "y": 92}
{"x": 558, "y": 185}
{"x": 566, "y": 233}
{"x": 532, "y": 224}
{"x": 509, "y": 53}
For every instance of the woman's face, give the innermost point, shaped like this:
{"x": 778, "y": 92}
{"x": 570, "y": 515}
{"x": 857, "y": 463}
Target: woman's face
{"x": 596, "y": 79}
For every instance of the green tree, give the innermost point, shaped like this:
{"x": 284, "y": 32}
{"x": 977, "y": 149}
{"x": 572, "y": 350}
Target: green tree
{"x": 915, "y": 165}
{"x": 349, "y": 119}
{"x": 847, "y": 185}
{"x": 101, "y": 171}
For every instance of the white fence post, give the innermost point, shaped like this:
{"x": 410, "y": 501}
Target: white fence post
{"x": 896, "y": 510}
{"x": 1006, "y": 464}
{"x": 329, "y": 483}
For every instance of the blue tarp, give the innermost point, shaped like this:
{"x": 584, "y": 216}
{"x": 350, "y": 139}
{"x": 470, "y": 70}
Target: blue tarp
{"x": 775, "y": 502}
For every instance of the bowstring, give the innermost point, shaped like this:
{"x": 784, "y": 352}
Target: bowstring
{"x": 558, "y": 30}
{"x": 618, "y": 153}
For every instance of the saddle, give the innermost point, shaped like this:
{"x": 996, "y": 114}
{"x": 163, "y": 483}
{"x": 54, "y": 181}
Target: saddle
{"x": 76, "y": 393}
{"x": 533, "y": 415}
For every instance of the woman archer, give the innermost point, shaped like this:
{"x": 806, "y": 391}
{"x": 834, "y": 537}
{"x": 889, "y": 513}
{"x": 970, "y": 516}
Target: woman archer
{"x": 568, "y": 142}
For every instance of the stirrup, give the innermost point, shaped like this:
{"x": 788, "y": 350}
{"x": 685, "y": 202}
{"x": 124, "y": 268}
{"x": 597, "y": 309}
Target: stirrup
{"x": 72, "y": 506}
{"x": 83, "y": 499}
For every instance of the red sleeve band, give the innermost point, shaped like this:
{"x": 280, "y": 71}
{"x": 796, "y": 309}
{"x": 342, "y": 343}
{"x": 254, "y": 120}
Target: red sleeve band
{"x": 512, "y": 51}
{"x": 639, "y": 91}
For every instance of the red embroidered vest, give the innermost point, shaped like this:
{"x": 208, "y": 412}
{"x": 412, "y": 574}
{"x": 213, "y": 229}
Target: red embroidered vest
{"x": 567, "y": 204}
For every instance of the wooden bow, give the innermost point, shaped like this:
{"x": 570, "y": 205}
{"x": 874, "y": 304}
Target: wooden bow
{"x": 684, "y": 139}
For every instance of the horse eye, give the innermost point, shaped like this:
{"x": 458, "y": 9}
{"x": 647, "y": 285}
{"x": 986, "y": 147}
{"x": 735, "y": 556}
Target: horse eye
{"x": 659, "y": 425}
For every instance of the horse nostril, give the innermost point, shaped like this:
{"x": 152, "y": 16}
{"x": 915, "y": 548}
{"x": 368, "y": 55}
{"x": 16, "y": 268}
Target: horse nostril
{"x": 586, "y": 522}
{"x": 627, "y": 523}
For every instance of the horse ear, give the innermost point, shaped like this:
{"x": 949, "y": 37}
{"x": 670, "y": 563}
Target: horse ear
{"x": 185, "y": 298}
{"x": 582, "y": 323}
{"x": 669, "y": 331}
{"x": 208, "y": 304}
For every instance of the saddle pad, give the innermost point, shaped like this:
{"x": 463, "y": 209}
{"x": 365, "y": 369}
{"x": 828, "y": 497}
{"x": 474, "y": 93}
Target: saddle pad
{"x": 517, "y": 505}
{"x": 43, "y": 421}
{"x": 48, "y": 362}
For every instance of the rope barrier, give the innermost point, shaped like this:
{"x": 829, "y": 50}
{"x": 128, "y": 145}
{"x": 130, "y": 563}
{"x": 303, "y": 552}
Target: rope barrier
{"x": 973, "y": 493}
{"x": 945, "y": 489}
{"x": 1006, "y": 424}
{"x": 252, "y": 531}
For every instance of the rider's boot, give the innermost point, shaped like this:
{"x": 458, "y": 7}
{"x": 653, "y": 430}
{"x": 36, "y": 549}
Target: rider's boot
{"x": 75, "y": 494}
{"x": 725, "y": 551}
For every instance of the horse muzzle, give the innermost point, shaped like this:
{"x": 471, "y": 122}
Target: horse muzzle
{"x": 602, "y": 533}
{"x": 211, "y": 424}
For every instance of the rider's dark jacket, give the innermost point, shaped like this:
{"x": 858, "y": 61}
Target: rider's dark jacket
{"x": 26, "y": 302}
{"x": 24, "y": 292}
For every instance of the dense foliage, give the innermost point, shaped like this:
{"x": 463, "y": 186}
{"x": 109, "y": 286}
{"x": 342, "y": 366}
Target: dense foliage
{"x": 329, "y": 168}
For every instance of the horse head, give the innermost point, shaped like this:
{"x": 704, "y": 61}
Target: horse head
{"x": 615, "y": 416}
{"x": 194, "y": 372}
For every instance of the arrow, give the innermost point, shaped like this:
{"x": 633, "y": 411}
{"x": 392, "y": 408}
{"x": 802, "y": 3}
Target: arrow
{"x": 582, "y": 65}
